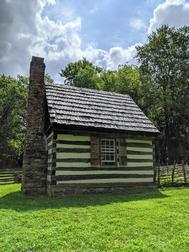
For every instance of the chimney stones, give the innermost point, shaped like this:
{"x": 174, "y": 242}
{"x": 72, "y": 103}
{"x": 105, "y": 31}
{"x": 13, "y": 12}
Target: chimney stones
{"x": 35, "y": 153}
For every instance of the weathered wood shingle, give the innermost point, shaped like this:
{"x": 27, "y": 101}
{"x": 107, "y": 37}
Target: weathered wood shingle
{"x": 68, "y": 105}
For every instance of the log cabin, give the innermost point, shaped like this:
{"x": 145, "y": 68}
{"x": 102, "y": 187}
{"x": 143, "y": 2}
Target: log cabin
{"x": 81, "y": 140}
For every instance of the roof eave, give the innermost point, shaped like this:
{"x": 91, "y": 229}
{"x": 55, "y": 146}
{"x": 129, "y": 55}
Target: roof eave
{"x": 61, "y": 127}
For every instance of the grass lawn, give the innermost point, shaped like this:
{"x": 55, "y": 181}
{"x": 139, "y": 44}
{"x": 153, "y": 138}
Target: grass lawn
{"x": 151, "y": 220}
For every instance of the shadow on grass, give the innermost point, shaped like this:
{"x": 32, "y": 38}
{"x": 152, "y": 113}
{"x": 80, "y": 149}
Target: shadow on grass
{"x": 19, "y": 202}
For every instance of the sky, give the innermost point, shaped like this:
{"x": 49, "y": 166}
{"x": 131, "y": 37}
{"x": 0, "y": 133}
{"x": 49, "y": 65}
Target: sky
{"x": 106, "y": 32}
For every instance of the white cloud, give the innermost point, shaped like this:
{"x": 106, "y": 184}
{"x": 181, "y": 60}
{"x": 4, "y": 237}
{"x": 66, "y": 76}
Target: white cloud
{"x": 136, "y": 23}
{"x": 118, "y": 56}
{"x": 25, "y": 31}
{"x": 172, "y": 13}
{"x": 175, "y": 1}
{"x": 17, "y": 29}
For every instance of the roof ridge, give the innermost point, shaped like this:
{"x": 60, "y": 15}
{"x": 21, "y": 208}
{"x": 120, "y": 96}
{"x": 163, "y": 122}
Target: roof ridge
{"x": 85, "y": 89}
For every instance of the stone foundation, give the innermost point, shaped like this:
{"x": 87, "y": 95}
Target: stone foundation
{"x": 62, "y": 190}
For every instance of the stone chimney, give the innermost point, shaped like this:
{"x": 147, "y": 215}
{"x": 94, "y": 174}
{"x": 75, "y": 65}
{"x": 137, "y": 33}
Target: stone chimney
{"x": 35, "y": 153}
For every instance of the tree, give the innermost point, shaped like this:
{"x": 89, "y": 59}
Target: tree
{"x": 165, "y": 84}
{"x": 110, "y": 80}
{"x": 125, "y": 80}
{"x": 13, "y": 98}
{"x": 129, "y": 81}
{"x": 48, "y": 79}
{"x": 82, "y": 74}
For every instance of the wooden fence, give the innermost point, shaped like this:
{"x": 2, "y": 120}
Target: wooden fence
{"x": 175, "y": 174}
{"x": 10, "y": 176}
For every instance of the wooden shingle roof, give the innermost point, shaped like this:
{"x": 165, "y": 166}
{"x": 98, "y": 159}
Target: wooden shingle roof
{"x": 68, "y": 105}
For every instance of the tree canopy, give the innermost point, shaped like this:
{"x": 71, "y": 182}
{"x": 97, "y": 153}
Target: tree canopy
{"x": 126, "y": 79}
{"x": 13, "y": 99}
{"x": 164, "y": 69}
{"x": 82, "y": 74}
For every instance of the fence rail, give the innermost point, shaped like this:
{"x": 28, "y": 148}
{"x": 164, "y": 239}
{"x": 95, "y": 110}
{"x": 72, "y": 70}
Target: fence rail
{"x": 10, "y": 176}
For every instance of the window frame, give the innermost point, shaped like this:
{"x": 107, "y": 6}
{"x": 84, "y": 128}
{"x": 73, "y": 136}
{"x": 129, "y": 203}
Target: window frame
{"x": 108, "y": 151}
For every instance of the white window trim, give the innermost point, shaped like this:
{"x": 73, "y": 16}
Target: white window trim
{"x": 113, "y": 151}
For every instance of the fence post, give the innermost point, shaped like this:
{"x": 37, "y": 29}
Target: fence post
{"x": 173, "y": 171}
{"x": 167, "y": 165}
{"x": 184, "y": 172}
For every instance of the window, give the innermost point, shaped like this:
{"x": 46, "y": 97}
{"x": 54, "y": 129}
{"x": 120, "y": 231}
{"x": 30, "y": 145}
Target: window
{"x": 108, "y": 151}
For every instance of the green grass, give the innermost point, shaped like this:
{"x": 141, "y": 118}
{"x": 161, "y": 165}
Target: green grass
{"x": 150, "y": 220}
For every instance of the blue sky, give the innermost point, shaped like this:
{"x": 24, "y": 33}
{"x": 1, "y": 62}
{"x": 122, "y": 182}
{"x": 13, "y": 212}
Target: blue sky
{"x": 106, "y": 32}
{"x": 106, "y": 23}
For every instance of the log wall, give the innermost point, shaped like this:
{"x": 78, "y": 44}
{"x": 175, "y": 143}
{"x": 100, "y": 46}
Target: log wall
{"x": 78, "y": 167}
